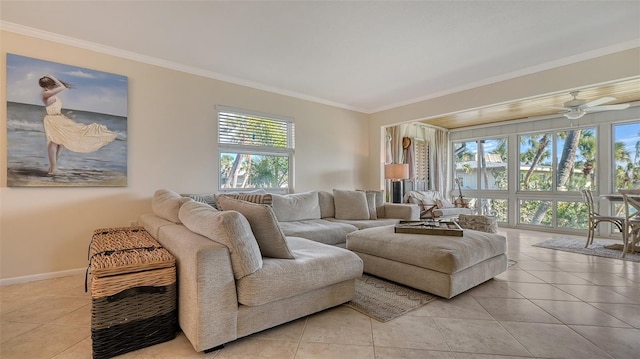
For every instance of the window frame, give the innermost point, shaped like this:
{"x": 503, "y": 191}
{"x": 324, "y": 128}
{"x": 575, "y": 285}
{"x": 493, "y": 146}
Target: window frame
{"x": 288, "y": 151}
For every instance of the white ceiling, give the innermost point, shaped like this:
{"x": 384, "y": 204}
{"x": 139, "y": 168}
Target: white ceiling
{"x": 362, "y": 55}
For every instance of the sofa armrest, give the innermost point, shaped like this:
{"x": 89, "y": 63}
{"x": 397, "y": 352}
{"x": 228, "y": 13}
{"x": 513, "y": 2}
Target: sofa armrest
{"x": 208, "y": 304}
{"x": 404, "y": 211}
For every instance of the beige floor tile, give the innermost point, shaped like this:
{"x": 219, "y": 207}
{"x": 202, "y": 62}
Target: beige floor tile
{"x": 479, "y": 336}
{"x": 579, "y": 313}
{"x": 289, "y": 331}
{"x": 340, "y": 325}
{"x": 533, "y": 265}
{"x": 556, "y": 277}
{"x": 629, "y": 292}
{"x": 578, "y": 267}
{"x": 541, "y": 291}
{"x": 494, "y": 289}
{"x": 592, "y": 293}
{"x": 618, "y": 342}
{"x": 10, "y": 330}
{"x": 9, "y": 305}
{"x": 628, "y": 313}
{"x": 463, "y": 306}
{"x": 566, "y": 343}
{"x": 606, "y": 279}
{"x": 516, "y": 310}
{"x": 180, "y": 347}
{"x": 409, "y": 332}
{"x": 484, "y": 356}
{"x": 334, "y": 351}
{"x": 80, "y": 317}
{"x": 45, "y": 310}
{"x": 518, "y": 276}
{"x": 258, "y": 349}
{"x": 81, "y": 350}
{"x": 399, "y": 353}
{"x": 54, "y": 286}
{"x": 547, "y": 255}
{"x": 43, "y": 342}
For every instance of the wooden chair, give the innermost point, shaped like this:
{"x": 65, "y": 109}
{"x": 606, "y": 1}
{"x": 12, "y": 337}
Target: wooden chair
{"x": 595, "y": 218}
{"x": 631, "y": 198}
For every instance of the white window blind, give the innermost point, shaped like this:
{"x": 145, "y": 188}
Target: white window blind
{"x": 254, "y": 130}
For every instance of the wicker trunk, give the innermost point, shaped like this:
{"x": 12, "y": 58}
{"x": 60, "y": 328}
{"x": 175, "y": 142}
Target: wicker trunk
{"x": 478, "y": 223}
{"x": 133, "y": 291}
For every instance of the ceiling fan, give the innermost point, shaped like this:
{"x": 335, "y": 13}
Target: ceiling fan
{"x": 576, "y": 108}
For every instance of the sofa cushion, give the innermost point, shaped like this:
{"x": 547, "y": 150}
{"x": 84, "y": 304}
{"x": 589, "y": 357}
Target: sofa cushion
{"x": 379, "y": 202}
{"x": 316, "y": 266}
{"x": 296, "y": 207}
{"x": 350, "y": 204}
{"x": 166, "y": 204}
{"x": 318, "y": 230}
{"x": 444, "y": 203}
{"x": 366, "y": 223}
{"x": 327, "y": 205}
{"x": 229, "y": 228}
{"x": 263, "y": 224}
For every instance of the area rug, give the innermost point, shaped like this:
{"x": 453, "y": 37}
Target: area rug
{"x": 574, "y": 245}
{"x": 384, "y": 300}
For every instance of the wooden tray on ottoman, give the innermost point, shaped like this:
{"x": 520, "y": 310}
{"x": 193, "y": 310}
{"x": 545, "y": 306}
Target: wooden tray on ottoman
{"x": 442, "y": 228}
{"x": 133, "y": 291}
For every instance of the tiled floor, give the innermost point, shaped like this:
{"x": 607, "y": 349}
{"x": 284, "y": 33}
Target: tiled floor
{"x": 551, "y": 304}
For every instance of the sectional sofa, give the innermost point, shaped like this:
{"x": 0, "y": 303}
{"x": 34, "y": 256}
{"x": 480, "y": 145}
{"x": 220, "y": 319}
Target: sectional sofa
{"x": 248, "y": 262}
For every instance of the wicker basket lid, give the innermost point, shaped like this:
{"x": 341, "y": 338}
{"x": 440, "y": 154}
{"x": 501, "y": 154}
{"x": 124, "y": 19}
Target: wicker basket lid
{"x": 126, "y": 250}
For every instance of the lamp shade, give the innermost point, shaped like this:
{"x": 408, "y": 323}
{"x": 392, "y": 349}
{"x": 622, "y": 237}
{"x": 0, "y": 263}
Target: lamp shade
{"x": 396, "y": 171}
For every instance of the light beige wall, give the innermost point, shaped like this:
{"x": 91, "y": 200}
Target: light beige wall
{"x": 171, "y": 144}
{"x": 602, "y": 69}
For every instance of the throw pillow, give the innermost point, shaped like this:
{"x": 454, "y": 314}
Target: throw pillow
{"x": 350, "y": 204}
{"x": 264, "y": 225}
{"x": 209, "y": 199}
{"x": 443, "y": 203}
{"x": 166, "y": 204}
{"x": 259, "y": 198}
{"x": 371, "y": 205}
{"x": 229, "y": 228}
{"x": 379, "y": 202}
{"x": 296, "y": 207}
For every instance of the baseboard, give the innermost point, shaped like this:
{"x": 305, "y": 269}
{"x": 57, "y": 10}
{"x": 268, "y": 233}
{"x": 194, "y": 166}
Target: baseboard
{"x": 42, "y": 276}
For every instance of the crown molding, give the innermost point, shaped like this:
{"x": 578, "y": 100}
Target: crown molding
{"x": 129, "y": 55}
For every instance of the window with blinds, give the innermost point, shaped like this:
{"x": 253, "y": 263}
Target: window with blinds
{"x": 256, "y": 150}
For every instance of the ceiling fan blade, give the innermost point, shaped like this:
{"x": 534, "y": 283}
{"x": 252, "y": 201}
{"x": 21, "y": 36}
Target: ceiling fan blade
{"x": 599, "y": 101}
{"x": 621, "y": 106}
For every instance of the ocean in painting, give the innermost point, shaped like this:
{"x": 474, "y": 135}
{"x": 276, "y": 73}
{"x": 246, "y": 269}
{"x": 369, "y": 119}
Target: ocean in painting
{"x": 27, "y": 160}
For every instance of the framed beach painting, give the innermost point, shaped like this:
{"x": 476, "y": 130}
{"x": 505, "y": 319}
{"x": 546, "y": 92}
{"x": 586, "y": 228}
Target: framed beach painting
{"x": 66, "y": 125}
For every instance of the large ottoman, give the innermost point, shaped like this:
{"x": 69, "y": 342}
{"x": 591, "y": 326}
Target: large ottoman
{"x": 442, "y": 265}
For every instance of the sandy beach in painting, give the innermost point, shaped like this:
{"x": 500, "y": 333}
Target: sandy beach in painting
{"x": 27, "y": 161}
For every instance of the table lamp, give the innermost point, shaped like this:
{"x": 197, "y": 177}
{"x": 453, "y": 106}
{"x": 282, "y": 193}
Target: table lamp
{"x": 396, "y": 172}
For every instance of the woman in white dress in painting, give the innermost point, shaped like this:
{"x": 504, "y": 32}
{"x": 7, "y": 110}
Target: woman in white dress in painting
{"x": 63, "y": 132}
